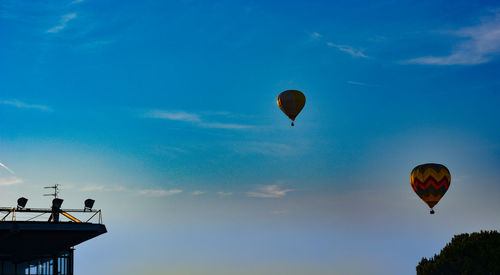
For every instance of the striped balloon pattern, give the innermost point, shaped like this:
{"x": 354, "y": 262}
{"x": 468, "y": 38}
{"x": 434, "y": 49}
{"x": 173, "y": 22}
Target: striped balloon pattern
{"x": 291, "y": 103}
{"x": 430, "y": 181}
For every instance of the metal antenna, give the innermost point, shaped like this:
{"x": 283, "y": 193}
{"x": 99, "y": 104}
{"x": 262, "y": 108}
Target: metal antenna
{"x": 56, "y": 190}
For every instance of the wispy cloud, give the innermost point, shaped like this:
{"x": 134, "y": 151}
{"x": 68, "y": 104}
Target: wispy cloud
{"x": 356, "y": 83}
{"x": 63, "y": 23}
{"x": 159, "y": 192}
{"x": 102, "y": 188}
{"x": 7, "y": 168}
{"x": 224, "y": 194}
{"x": 269, "y": 191}
{"x": 481, "y": 44}
{"x": 195, "y": 119}
{"x": 197, "y": 193}
{"x": 230, "y": 126}
{"x": 23, "y": 105}
{"x": 316, "y": 35}
{"x": 9, "y": 178}
{"x": 10, "y": 181}
{"x": 90, "y": 188}
{"x": 347, "y": 49}
{"x": 268, "y": 148}
{"x": 343, "y": 48}
{"x": 174, "y": 115}
{"x": 77, "y": 1}
{"x": 142, "y": 192}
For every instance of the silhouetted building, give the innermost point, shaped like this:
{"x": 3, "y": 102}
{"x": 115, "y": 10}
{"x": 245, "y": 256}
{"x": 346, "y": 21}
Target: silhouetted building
{"x": 43, "y": 247}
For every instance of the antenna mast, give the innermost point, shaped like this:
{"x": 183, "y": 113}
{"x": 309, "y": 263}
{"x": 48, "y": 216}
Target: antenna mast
{"x": 56, "y": 190}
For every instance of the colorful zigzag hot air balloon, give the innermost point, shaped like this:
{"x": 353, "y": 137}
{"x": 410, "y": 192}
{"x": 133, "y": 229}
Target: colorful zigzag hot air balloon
{"x": 430, "y": 181}
{"x": 291, "y": 103}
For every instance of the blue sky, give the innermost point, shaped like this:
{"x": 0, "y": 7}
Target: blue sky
{"x": 165, "y": 112}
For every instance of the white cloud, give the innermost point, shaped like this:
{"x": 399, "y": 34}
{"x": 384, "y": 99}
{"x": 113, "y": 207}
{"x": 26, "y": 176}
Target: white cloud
{"x": 197, "y": 193}
{"x": 361, "y": 84}
{"x": 90, "y": 188}
{"x": 8, "y": 178}
{"x": 143, "y": 192}
{"x": 269, "y": 191}
{"x": 102, "y": 188}
{"x": 316, "y": 35}
{"x": 194, "y": 119}
{"x": 7, "y": 168}
{"x": 67, "y": 187}
{"x": 343, "y": 48}
{"x": 481, "y": 44}
{"x": 268, "y": 148}
{"x": 23, "y": 105}
{"x": 77, "y": 1}
{"x": 169, "y": 115}
{"x": 159, "y": 192}
{"x": 10, "y": 181}
{"x": 347, "y": 49}
{"x": 226, "y": 126}
{"x": 224, "y": 194}
{"x": 62, "y": 25}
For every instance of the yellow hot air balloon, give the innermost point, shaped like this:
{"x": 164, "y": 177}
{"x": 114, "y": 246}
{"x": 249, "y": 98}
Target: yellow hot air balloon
{"x": 291, "y": 103}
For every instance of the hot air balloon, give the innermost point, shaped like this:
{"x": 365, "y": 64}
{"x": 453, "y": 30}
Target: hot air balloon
{"x": 430, "y": 181}
{"x": 291, "y": 103}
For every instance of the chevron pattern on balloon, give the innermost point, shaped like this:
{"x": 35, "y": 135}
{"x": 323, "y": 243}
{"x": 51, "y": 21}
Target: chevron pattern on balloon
{"x": 417, "y": 184}
{"x": 430, "y": 181}
{"x": 437, "y": 175}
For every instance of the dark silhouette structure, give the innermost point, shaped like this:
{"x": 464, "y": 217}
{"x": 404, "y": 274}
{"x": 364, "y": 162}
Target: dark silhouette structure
{"x": 476, "y": 253}
{"x": 30, "y": 246}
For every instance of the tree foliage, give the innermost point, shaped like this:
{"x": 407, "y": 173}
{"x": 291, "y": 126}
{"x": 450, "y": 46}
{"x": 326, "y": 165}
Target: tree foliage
{"x": 476, "y": 253}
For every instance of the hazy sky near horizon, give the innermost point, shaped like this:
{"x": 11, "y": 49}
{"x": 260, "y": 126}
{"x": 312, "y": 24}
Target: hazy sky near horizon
{"x": 165, "y": 112}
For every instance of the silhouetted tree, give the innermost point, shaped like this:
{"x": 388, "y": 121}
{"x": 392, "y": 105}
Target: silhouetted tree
{"x": 476, "y": 253}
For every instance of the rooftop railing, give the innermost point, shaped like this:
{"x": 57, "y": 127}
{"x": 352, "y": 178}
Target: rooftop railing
{"x": 49, "y": 215}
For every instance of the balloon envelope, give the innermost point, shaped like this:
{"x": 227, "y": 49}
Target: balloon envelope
{"x": 291, "y": 103}
{"x": 430, "y": 181}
